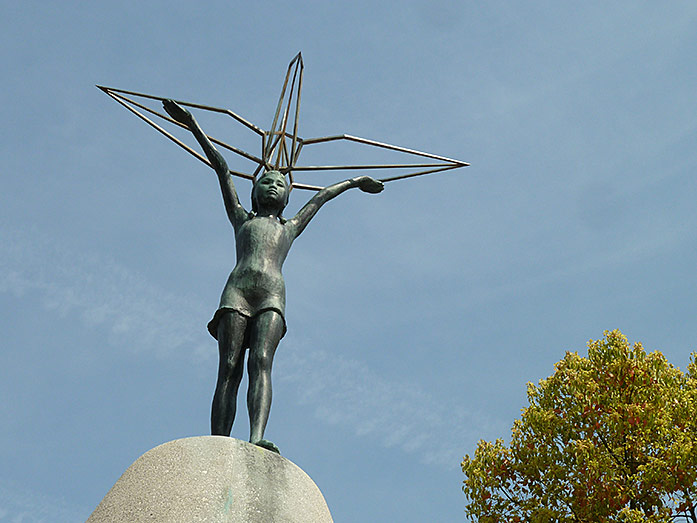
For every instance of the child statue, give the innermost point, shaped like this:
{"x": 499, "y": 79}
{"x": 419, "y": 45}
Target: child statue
{"x": 252, "y": 307}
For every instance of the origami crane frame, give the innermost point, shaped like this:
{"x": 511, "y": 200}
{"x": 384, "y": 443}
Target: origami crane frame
{"x": 280, "y": 148}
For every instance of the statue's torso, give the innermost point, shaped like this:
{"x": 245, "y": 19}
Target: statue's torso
{"x": 256, "y": 283}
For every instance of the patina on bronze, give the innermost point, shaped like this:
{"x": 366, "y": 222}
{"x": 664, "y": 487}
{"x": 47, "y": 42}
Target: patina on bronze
{"x": 252, "y": 307}
{"x": 251, "y": 315}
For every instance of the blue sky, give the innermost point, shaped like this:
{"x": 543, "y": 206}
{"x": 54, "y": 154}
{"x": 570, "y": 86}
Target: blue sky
{"x": 416, "y": 316}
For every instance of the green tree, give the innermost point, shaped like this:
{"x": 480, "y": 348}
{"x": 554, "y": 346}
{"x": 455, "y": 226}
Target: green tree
{"x": 608, "y": 437}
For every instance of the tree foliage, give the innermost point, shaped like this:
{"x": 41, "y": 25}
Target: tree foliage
{"x": 608, "y": 437}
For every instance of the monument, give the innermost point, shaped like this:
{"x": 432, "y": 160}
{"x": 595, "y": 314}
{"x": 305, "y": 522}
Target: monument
{"x": 212, "y": 479}
{"x": 250, "y": 317}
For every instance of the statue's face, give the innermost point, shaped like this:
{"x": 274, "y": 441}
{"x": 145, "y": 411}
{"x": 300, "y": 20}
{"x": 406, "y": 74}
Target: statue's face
{"x": 271, "y": 190}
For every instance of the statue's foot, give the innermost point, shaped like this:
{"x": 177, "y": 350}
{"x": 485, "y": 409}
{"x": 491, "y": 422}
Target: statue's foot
{"x": 266, "y": 444}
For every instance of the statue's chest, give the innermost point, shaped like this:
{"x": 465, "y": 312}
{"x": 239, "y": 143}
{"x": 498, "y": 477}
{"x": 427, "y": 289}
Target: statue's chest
{"x": 262, "y": 235}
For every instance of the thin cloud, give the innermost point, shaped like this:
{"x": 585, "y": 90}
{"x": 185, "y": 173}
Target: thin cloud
{"x": 20, "y": 505}
{"x": 100, "y": 292}
{"x": 655, "y": 238}
{"x": 343, "y": 392}
{"x": 348, "y": 393}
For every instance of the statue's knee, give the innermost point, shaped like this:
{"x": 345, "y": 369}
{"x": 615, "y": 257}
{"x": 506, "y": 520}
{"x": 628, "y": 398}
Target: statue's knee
{"x": 260, "y": 361}
{"x": 230, "y": 366}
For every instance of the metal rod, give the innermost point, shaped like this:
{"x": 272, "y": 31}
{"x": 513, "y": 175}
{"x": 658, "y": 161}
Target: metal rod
{"x": 171, "y": 120}
{"x": 412, "y": 175}
{"x": 237, "y": 117}
{"x": 384, "y": 146}
{"x": 282, "y": 154}
{"x": 297, "y": 151}
{"x": 161, "y": 130}
{"x": 385, "y": 180}
{"x": 272, "y": 144}
{"x": 309, "y": 141}
{"x": 256, "y": 171}
{"x": 286, "y": 112}
{"x": 293, "y": 156}
{"x": 172, "y": 137}
{"x": 308, "y": 187}
{"x": 376, "y": 166}
{"x": 269, "y": 152}
{"x": 403, "y": 149}
{"x": 246, "y": 176}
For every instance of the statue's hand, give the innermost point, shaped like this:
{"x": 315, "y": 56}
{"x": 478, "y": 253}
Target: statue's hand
{"x": 371, "y": 185}
{"x": 177, "y": 112}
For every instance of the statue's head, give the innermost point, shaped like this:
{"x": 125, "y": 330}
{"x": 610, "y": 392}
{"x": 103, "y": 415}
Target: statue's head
{"x": 270, "y": 191}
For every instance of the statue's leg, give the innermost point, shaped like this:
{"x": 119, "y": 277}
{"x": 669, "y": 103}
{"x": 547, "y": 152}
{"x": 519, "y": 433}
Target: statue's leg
{"x": 266, "y": 331}
{"x": 231, "y": 330}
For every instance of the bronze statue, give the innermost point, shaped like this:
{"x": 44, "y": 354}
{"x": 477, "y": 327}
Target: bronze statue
{"x": 252, "y": 307}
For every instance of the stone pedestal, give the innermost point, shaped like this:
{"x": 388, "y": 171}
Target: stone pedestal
{"x": 212, "y": 479}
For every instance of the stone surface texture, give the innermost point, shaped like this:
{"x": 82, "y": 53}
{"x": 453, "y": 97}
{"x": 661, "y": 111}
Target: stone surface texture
{"x": 212, "y": 479}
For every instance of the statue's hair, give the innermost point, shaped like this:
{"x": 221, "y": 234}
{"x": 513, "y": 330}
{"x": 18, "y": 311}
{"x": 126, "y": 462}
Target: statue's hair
{"x": 255, "y": 207}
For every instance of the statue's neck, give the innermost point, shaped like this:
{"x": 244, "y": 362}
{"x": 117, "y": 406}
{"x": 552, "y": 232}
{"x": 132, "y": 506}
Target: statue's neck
{"x": 268, "y": 212}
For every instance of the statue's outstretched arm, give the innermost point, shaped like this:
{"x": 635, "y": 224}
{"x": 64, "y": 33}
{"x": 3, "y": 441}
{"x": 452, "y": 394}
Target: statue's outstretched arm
{"x": 235, "y": 211}
{"x": 364, "y": 183}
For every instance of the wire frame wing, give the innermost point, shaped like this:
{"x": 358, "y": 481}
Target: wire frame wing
{"x": 281, "y": 147}
{"x": 126, "y": 99}
{"x": 436, "y": 164}
{"x": 277, "y": 154}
